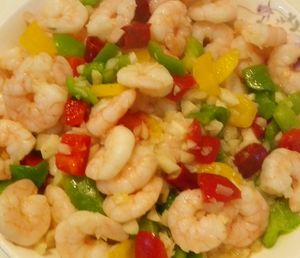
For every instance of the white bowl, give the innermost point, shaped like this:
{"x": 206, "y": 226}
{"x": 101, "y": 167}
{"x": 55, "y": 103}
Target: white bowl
{"x": 285, "y": 13}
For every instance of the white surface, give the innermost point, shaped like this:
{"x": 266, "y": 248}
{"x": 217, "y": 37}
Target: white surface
{"x": 11, "y": 26}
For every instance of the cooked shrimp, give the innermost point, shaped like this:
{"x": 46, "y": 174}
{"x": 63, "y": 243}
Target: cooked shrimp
{"x": 135, "y": 205}
{"x": 107, "y": 112}
{"x": 262, "y": 35}
{"x": 108, "y": 19}
{"x": 24, "y": 215}
{"x": 60, "y": 203}
{"x": 171, "y": 26}
{"x": 219, "y": 11}
{"x": 280, "y": 66}
{"x": 17, "y": 141}
{"x": 280, "y": 176}
{"x": 12, "y": 59}
{"x": 153, "y": 4}
{"x": 192, "y": 228}
{"x": 63, "y": 16}
{"x": 150, "y": 79}
{"x": 218, "y": 36}
{"x": 75, "y": 236}
{"x": 251, "y": 221}
{"x": 110, "y": 159}
{"x": 135, "y": 175}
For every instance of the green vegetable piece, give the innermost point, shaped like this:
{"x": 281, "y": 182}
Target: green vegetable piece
{"x": 81, "y": 90}
{"x": 266, "y": 104}
{"x": 4, "y": 184}
{"x": 109, "y": 50}
{"x": 258, "y": 78}
{"x": 90, "y": 2}
{"x": 294, "y": 98}
{"x": 123, "y": 60}
{"x": 285, "y": 117}
{"x": 179, "y": 253}
{"x": 36, "y": 174}
{"x": 89, "y": 68}
{"x": 193, "y": 255}
{"x": 109, "y": 76}
{"x": 208, "y": 113}
{"x": 281, "y": 221}
{"x": 83, "y": 193}
{"x": 175, "y": 66}
{"x": 66, "y": 45}
{"x": 272, "y": 130}
{"x": 193, "y": 50}
{"x": 161, "y": 207}
{"x": 148, "y": 225}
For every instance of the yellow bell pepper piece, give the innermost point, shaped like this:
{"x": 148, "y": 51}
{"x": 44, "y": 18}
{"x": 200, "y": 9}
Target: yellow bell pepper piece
{"x": 107, "y": 89}
{"x": 35, "y": 40}
{"x": 155, "y": 128}
{"x": 222, "y": 169}
{"x": 124, "y": 249}
{"x": 143, "y": 55}
{"x": 204, "y": 75}
{"x": 226, "y": 64}
{"x": 243, "y": 114}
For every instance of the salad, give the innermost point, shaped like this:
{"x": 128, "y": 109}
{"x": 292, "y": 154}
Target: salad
{"x": 149, "y": 128}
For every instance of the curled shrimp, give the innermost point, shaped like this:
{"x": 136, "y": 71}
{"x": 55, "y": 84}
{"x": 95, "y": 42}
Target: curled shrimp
{"x": 153, "y": 4}
{"x": 192, "y": 228}
{"x": 280, "y": 176}
{"x": 151, "y": 79}
{"x": 106, "y": 113}
{"x": 60, "y": 203}
{"x": 136, "y": 174}
{"x": 215, "y": 37}
{"x": 108, "y": 19}
{"x": 110, "y": 159}
{"x": 63, "y": 16}
{"x": 281, "y": 69}
{"x": 17, "y": 141}
{"x": 74, "y": 235}
{"x": 219, "y": 11}
{"x": 12, "y": 59}
{"x": 251, "y": 221}
{"x": 134, "y": 205}
{"x": 171, "y": 26}
{"x": 24, "y": 215}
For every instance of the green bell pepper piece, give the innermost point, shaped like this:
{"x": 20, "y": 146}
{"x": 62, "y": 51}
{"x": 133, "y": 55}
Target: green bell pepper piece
{"x": 66, "y": 45}
{"x": 90, "y": 2}
{"x": 193, "y": 255}
{"x": 281, "y": 221}
{"x": 285, "y": 117}
{"x": 179, "y": 253}
{"x": 148, "y": 225}
{"x": 89, "y": 68}
{"x": 81, "y": 90}
{"x": 109, "y": 76}
{"x": 161, "y": 207}
{"x": 83, "y": 193}
{"x": 272, "y": 130}
{"x": 109, "y": 50}
{"x": 208, "y": 113}
{"x": 123, "y": 60}
{"x": 175, "y": 66}
{"x": 266, "y": 104}
{"x": 36, "y": 174}
{"x": 294, "y": 98}
{"x": 258, "y": 78}
{"x": 193, "y": 50}
{"x": 4, "y": 184}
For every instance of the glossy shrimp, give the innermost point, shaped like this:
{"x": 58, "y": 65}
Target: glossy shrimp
{"x": 109, "y": 160}
{"x": 135, "y": 205}
{"x": 107, "y": 112}
{"x": 171, "y": 26}
{"x": 24, "y": 215}
{"x": 109, "y": 17}
{"x": 83, "y": 234}
{"x": 280, "y": 176}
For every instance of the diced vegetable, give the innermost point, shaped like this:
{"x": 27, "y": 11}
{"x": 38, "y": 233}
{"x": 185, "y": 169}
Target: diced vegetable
{"x": 217, "y": 188}
{"x": 193, "y": 50}
{"x": 67, "y": 46}
{"x": 175, "y": 66}
{"x": 91, "y": 68}
{"x": 290, "y": 140}
{"x": 161, "y": 207}
{"x": 90, "y": 2}
{"x": 266, "y": 104}
{"x": 137, "y": 35}
{"x": 179, "y": 253}
{"x": 294, "y": 98}
{"x": 149, "y": 226}
{"x": 272, "y": 130}
{"x": 124, "y": 249}
{"x": 32, "y": 159}
{"x": 83, "y": 193}
{"x": 142, "y": 11}
{"x": 281, "y": 221}
{"x": 132, "y": 120}
{"x": 76, "y": 112}
{"x": 181, "y": 85}
{"x": 109, "y": 50}
{"x": 285, "y": 117}
{"x": 74, "y": 62}
{"x": 257, "y": 128}
{"x": 107, "y": 90}
{"x": 195, "y": 132}
{"x": 93, "y": 46}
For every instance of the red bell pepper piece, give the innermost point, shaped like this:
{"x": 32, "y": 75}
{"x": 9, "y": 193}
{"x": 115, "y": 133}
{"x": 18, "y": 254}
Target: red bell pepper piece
{"x": 258, "y": 129}
{"x": 93, "y": 45}
{"x": 249, "y": 159}
{"x": 184, "y": 180}
{"x": 217, "y": 188}
{"x": 132, "y": 120}
{"x": 32, "y": 159}
{"x": 195, "y": 132}
{"x": 75, "y": 162}
{"x": 142, "y": 11}
{"x": 137, "y": 35}
{"x": 147, "y": 245}
{"x": 76, "y": 112}
{"x": 181, "y": 85}
{"x": 74, "y": 62}
{"x": 290, "y": 140}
